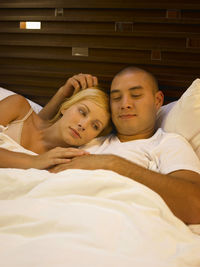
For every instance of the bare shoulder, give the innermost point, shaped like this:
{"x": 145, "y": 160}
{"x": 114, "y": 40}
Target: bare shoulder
{"x": 13, "y": 107}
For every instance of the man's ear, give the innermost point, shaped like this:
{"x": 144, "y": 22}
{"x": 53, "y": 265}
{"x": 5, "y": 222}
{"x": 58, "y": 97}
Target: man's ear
{"x": 159, "y": 99}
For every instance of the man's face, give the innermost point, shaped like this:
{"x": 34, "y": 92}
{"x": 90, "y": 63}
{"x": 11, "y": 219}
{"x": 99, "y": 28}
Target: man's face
{"x": 133, "y": 104}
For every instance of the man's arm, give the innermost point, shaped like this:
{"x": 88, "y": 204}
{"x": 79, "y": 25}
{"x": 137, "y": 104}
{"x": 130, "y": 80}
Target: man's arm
{"x": 179, "y": 189}
{"x": 72, "y": 86}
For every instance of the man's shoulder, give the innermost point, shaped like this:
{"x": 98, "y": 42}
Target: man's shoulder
{"x": 161, "y": 134}
{"x": 163, "y": 139}
{"x": 175, "y": 153}
{"x": 174, "y": 141}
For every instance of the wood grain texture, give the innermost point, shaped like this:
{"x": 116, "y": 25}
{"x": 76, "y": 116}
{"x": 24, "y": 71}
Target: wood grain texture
{"x": 160, "y": 36}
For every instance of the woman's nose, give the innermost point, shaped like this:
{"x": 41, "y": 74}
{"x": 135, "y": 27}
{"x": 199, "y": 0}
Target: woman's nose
{"x": 82, "y": 126}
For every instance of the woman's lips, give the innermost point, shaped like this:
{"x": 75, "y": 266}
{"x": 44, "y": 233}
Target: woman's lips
{"x": 74, "y": 133}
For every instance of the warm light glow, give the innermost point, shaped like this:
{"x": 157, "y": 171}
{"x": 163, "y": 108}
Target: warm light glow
{"x": 34, "y": 25}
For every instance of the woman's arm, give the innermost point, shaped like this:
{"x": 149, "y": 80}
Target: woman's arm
{"x": 13, "y": 108}
{"x": 58, "y": 155}
{"x": 72, "y": 86}
{"x": 10, "y": 159}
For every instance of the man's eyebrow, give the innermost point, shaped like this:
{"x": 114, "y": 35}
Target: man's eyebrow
{"x": 135, "y": 87}
{"x": 131, "y": 89}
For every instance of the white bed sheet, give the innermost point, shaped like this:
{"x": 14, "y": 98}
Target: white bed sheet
{"x": 87, "y": 218}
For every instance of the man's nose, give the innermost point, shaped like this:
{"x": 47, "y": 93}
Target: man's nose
{"x": 126, "y": 103}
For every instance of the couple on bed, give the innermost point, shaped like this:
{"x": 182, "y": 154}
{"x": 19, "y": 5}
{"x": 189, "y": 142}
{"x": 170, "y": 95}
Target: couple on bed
{"x": 164, "y": 162}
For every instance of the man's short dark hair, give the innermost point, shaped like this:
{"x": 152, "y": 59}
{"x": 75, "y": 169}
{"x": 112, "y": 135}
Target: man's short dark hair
{"x": 136, "y": 69}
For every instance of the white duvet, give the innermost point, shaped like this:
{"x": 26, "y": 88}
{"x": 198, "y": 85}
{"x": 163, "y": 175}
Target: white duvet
{"x": 79, "y": 218}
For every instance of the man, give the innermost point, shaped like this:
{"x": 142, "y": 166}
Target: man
{"x": 155, "y": 159}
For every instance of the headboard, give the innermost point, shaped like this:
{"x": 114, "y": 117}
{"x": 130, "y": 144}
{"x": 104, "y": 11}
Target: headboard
{"x": 97, "y": 37}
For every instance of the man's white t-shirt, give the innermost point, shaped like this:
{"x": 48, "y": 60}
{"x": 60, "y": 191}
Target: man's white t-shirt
{"x": 163, "y": 152}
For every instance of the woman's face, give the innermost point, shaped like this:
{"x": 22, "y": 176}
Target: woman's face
{"x": 82, "y": 122}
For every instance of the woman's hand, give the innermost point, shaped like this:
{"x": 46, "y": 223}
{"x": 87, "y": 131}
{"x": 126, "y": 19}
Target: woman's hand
{"x": 77, "y": 83}
{"x": 88, "y": 162}
{"x": 56, "y": 156}
{"x": 72, "y": 86}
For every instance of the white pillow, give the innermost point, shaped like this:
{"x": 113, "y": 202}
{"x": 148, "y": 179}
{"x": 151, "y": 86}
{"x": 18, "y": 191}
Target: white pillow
{"x": 162, "y": 114}
{"x": 183, "y": 116}
{"x": 4, "y": 93}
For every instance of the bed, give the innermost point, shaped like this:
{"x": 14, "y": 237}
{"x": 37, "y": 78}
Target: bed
{"x": 96, "y": 218}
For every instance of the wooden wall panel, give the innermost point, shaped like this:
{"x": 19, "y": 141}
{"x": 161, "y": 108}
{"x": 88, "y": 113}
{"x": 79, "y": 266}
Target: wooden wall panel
{"x": 160, "y": 36}
{"x": 192, "y": 4}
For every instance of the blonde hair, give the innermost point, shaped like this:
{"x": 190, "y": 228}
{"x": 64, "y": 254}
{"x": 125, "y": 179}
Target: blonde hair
{"x": 94, "y": 94}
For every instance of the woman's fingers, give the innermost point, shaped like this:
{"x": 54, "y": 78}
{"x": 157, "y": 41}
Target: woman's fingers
{"x": 80, "y": 78}
{"x": 86, "y": 80}
{"x": 89, "y": 80}
{"x": 79, "y": 82}
{"x": 69, "y": 150}
{"x": 57, "y": 161}
{"x": 69, "y": 154}
{"x": 75, "y": 83}
{"x": 57, "y": 156}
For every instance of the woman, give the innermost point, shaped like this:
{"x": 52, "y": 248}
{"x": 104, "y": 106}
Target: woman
{"x": 80, "y": 119}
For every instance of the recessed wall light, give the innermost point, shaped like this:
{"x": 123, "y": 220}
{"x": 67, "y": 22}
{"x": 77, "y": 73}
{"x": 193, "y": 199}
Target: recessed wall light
{"x": 34, "y": 25}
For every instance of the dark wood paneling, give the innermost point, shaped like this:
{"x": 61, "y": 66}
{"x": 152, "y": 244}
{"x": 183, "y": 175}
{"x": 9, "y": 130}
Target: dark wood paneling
{"x": 192, "y": 4}
{"x": 103, "y": 55}
{"x": 100, "y": 15}
{"x": 56, "y": 40}
{"x": 160, "y": 36}
{"x": 102, "y": 28}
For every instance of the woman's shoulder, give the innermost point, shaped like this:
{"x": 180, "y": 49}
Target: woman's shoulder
{"x": 18, "y": 100}
{"x": 22, "y": 106}
{"x": 13, "y": 107}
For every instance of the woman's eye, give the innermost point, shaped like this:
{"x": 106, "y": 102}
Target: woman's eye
{"x": 82, "y": 112}
{"x": 116, "y": 98}
{"x": 96, "y": 127}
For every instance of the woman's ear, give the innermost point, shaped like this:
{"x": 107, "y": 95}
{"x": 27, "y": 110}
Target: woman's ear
{"x": 159, "y": 98}
{"x": 62, "y": 111}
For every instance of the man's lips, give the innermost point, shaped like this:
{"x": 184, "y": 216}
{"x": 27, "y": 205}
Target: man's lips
{"x": 127, "y": 116}
{"x": 75, "y": 133}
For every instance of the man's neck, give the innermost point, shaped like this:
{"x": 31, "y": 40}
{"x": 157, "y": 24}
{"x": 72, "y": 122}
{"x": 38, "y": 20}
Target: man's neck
{"x": 127, "y": 138}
